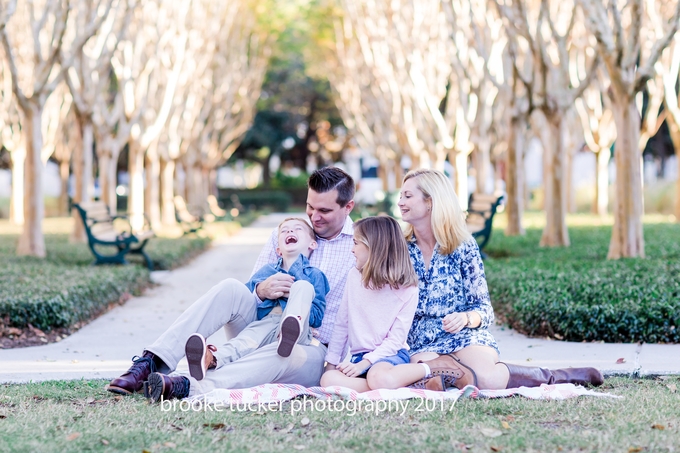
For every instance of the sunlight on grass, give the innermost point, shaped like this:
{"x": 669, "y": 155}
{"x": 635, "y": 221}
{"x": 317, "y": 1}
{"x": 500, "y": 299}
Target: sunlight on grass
{"x": 536, "y": 220}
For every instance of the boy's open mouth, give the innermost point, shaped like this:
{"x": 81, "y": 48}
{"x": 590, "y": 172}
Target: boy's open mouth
{"x": 291, "y": 240}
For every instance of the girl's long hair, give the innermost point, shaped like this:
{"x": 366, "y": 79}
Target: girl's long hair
{"x": 388, "y": 259}
{"x": 448, "y": 219}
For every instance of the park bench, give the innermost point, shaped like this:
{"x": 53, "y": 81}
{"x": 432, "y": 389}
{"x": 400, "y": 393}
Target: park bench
{"x": 103, "y": 236}
{"x": 190, "y": 222}
{"x": 481, "y": 210}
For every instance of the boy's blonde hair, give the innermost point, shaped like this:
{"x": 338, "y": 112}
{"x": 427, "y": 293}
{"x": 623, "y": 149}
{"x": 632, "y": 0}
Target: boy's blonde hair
{"x": 388, "y": 259}
{"x": 309, "y": 228}
{"x": 448, "y": 219}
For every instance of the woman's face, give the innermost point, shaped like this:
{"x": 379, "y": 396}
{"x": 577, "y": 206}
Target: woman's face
{"x": 415, "y": 208}
{"x": 360, "y": 252}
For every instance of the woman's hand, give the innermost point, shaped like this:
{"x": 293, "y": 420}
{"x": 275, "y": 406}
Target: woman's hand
{"x": 354, "y": 369}
{"x": 454, "y": 322}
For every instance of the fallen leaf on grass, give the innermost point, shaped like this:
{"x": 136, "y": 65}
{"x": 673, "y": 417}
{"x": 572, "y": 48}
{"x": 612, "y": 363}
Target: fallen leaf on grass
{"x": 105, "y": 442}
{"x": 491, "y": 432}
{"x": 304, "y": 422}
{"x": 505, "y": 425}
{"x": 621, "y": 360}
{"x": 169, "y": 445}
{"x": 73, "y": 436}
{"x": 672, "y": 388}
{"x": 494, "y": 448}
{"x": 658, "y": 426}
{"x": 634, "y": 449}
{"x": 214, "y": 426}
{"x": 299, "y": 447}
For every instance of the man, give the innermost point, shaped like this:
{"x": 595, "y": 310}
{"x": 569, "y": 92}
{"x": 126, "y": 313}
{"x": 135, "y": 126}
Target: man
{"x": 329, "y": 203}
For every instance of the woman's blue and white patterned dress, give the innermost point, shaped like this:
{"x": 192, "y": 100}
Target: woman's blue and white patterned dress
{"x": 452, "y": 283}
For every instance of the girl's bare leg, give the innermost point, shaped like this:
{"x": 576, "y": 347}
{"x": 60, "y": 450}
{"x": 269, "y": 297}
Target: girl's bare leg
{"x": 384, "y": 375}
{"x": 335, "y": 377}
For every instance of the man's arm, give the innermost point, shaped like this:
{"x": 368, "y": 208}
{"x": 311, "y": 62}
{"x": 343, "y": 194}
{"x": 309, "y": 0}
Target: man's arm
{"x": 276, "y": 286}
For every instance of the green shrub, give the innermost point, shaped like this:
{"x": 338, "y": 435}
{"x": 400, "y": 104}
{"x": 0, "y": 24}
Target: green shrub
{"x": 64, "y": 288}
{"x": 576, "y": 294}
{"x": 257, "y": 199}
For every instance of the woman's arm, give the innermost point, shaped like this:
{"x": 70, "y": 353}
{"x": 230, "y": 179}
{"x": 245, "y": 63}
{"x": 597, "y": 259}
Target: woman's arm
{"x": 475, "y": 287}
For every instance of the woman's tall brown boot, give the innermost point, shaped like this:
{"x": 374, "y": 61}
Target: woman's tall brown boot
{"x": 526, "y": 376}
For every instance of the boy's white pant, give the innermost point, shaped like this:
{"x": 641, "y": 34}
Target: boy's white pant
{"x": 241, "y": 363}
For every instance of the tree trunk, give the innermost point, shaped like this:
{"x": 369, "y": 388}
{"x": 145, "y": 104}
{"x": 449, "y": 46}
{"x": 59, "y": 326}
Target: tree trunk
{"x": 483, "y": 165}
{"x": 601, "y": 200}
{"x": 16, "y": 203}
{"x": 459, "y": 161}
{"x": 627, "y": 238}
{"x": 107, "y": 181}
{"x": 674, "y": 129}
{"x": 64, "y": 173}
{"x": 167, "y": 192}
{"x": 555, "y": 233}
{"x": 152, "y": 192}
{"x": 514, "y": 184}
{"x": 32, "y": 241}
{"x": 136, "y": 194}
{"x": 82, "y": 169}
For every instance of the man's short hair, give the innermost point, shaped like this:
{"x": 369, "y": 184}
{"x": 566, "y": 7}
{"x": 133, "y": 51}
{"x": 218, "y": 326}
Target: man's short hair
{"x": 329, "y": 178}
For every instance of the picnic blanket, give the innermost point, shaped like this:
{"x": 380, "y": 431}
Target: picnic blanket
{"x": 256, "y": 398}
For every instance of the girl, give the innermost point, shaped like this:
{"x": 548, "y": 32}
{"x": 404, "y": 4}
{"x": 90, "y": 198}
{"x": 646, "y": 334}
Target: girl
{"x": 376, "y": 312}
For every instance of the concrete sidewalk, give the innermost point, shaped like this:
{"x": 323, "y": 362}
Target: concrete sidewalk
{"x": 103, "y": 348}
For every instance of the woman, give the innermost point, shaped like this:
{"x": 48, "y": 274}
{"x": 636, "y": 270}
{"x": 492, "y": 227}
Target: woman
{"x": 450, "y": 329}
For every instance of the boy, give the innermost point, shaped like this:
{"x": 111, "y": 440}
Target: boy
{"x": 276, "y": 318}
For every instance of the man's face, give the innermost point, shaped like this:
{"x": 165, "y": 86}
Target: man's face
{"x": 295, "y": 238}
{"x": 326, "y": 215}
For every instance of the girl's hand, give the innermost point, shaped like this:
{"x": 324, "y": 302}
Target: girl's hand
{"x": 354, "y": 369}
{"x": 454, "y": 322}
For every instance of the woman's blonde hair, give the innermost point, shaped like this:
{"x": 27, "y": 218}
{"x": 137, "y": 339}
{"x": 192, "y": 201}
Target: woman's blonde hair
{"x": 388, "y": 259}
{"x": 448, "y": 219}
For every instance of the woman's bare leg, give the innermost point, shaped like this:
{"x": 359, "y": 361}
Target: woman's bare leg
{"x": 484, "y": 360}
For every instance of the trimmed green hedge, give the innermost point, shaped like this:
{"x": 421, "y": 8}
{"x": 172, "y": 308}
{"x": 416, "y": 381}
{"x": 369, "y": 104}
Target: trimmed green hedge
{"x": 576, "y": 294}
{"x": 65, "y": 289}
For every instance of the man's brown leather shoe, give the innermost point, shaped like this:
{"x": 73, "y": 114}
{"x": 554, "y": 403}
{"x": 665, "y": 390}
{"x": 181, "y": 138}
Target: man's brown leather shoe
{"x": 450, "y": 366}
{"x": 133, "y": 379}
{"x": 161, "y": 386}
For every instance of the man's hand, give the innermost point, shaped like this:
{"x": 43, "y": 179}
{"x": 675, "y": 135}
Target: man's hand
{"x": 354, "y": 369}
{"x": 278, "y": 285}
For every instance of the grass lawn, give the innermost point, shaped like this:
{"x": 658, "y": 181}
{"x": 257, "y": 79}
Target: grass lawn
{"x": 81, "y": 416}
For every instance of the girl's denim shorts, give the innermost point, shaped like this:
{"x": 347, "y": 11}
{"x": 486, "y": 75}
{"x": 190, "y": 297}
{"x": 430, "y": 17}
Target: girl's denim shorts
{"x": 400, "y": 358}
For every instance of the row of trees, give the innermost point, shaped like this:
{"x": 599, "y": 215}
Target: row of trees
{"x": 447, "y": 79}
{"x": 175, "y": 82}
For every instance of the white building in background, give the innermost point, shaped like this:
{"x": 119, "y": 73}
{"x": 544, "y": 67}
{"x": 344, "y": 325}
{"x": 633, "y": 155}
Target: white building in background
{"x": 51, "y": 181}
{"x": 239, "y": 176}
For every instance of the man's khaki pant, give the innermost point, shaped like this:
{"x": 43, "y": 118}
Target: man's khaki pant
{"x": 250, "y": 358}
